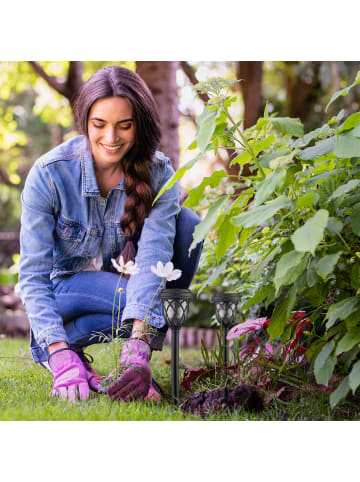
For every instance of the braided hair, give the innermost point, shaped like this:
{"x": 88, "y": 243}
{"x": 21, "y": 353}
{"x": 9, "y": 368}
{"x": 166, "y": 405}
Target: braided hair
{"x": 116, "y": 81}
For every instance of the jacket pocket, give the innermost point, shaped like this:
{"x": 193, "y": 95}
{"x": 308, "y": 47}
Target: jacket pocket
{"x": 68, "y": 239}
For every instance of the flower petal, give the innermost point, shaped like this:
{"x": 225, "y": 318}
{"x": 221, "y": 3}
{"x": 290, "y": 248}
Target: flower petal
{"x": 174, "y": 275}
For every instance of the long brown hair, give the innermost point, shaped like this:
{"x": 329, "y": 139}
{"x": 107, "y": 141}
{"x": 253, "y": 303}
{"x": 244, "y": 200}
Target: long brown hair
{"x": 116, "y": 81}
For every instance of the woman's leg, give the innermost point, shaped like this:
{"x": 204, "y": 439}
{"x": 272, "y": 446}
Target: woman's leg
{"x": 85, "y": 302}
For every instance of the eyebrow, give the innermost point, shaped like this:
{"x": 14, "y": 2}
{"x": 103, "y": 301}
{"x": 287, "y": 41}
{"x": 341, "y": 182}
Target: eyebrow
{"x": 120, "y": 122}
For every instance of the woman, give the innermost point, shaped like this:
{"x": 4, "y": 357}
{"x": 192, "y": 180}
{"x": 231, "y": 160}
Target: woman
{"x": 88, "y": 201}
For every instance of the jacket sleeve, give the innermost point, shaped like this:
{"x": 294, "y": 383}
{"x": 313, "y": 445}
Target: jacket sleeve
{"x": 156, "y": 243}
{"x": 36, "y": 257}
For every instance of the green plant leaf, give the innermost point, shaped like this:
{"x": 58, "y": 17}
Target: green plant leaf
{"x": 350, "y": 122}
{"x": 279, "y": 318}
{"x": 334, "y": 226}
{"x": 265, "y": 188}
{"x": 304, "y": 141}
{"x": 197, "y": 193}
{"x": 178, "y": 175}
{"x": 326, "y": 264}
{"x": 347, "y": 146}
{"x": 288, "y": 125}
{"x": 341, "y": 310}
{"x": 355, "y": 219}
{"x": 259, "y": 214}
{"x": 206, "y": 128}
{"x": 311, "y": 276}
{"x": 203, "y": 228}
{"x": 289, "y": 267}
{"x": 324, "y": 364}
{"x": 305, "y": 201}
{"x": 355, "y": 275}
{"x": 351, "y": 339}
{"x": 307, "y": 238}
{"x": 259, "y": 296}
{"x": 345, "y": 188}
{"x": 242, "y": 158}
{"x": 340, "y": 393}
{"x": 226, "y": 237}
{"x": 322, "y": 147}
{"x": 354, "y": 377}
{"x": 344, "y": 91}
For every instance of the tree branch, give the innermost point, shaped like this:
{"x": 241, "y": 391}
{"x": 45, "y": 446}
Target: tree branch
{"x": 60, "y": 88}
{"x": 188, "y": 71}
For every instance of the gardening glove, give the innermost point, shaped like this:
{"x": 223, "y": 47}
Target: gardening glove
{"x": 71, "y": 379}
{"x": 94, "y": 379}
{"x": 135, "y": 381}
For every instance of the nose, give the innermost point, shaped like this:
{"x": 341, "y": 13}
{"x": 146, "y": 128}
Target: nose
{"x": 111, "y": 136}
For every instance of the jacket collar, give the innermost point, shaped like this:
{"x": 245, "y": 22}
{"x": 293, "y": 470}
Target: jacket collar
{"x": 90, "y": 186}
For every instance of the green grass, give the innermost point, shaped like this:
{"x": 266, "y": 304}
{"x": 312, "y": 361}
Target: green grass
{"x": 25, "y": 394}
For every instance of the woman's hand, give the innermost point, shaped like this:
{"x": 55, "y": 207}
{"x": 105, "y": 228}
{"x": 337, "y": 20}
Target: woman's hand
{"x": 135, "y": 382}
{"x": 71, "y": 380}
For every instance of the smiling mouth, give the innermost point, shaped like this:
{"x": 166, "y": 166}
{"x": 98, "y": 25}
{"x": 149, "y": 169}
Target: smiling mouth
{"x": 111, "y": 149}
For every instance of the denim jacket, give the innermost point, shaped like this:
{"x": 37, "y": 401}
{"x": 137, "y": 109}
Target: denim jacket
{"x": 64, "y": 223}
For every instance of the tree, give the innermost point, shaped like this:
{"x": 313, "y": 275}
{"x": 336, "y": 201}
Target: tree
{"x": 161, "y": 80}
{"x": 250, "y": 74}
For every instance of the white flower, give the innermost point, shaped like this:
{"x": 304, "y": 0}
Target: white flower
{"x": 128, "y": 268}
{"x": 167, "y": 272}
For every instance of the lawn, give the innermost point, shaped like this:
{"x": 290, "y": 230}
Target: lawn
{"x": 25, "y": 388}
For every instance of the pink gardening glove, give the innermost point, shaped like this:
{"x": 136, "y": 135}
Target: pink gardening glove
{"x": 135, "y": 381}
{"x": 71, "y": 379}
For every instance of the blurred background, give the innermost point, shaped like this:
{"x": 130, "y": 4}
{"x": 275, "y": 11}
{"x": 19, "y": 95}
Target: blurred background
{"x": 36, "y": 115}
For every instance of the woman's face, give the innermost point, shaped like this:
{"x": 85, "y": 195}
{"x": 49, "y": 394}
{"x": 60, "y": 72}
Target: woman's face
{"x": 111, "y": 130}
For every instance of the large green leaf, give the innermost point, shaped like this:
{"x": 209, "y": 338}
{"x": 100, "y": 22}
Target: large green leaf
{"x": 256, "y": 148}
{"x": 279, "y": 317}
{"x": 288, "y": 125}
{"x": 348, "y": 341}
{"x": 305, "y": 201}
{"x": 355, "y": 275}
{"x": 345, "y": 188}
{"x": 197, "y": 193}
{"x": 203, "y": 228}
{"x": 206, "y": 128}
{"x": 324, "y": 364}
{"x": 259, "y": 214}
{"x": 334, "y": 225}
{"x": 347, "y": 146}
{"x": 304, "y": 141}
{"x": 350, "y": 122}
{"x": 344, "y": 91}
{"x": 354, "y": 378}
{"x": 289, "y": 267}
{"x": 340, "y": 393}
{"x": 259, "y": 296}
{"x": 326, "y": 264}
{"x": 322, "y": 147}
{"x": 341, "y": 310}
{"x": 307, "y": 237}
{"x": 178, "y": 175}
{"x": 274, "y": 180}
{"x": 226, "y": 237}
{"x": 355, "y": 219}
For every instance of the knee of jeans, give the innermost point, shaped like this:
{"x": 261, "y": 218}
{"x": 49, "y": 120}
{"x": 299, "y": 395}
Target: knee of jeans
{"x": 188, "y": 216}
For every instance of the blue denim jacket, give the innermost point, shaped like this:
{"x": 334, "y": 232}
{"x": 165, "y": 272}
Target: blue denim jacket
{"x": 64, "y": 223}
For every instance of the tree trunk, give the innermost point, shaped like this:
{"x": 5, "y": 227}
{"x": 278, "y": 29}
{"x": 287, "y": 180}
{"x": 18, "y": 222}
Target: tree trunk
{"x": 301, "y": 90}
{"x": 161, "y": 80}
{"x": 251, "y": 88}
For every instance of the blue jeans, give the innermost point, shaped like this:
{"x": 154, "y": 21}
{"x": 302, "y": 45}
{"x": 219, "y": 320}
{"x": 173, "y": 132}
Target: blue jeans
{"x": 85, "y": 300}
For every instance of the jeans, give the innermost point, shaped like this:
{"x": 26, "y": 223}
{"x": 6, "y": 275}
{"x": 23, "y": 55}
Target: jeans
{"x": 85, "y": 300}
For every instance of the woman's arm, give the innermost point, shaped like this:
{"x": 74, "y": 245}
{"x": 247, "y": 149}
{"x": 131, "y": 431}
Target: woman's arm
{"x": 156, "y": 243}
{"x": 36, "y": 257}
